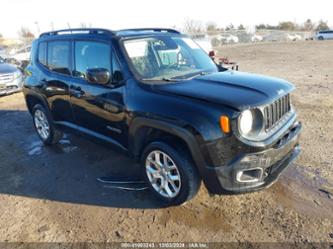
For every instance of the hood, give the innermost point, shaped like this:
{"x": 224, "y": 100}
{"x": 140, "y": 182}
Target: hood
{"x": 232, "y": 88}
{"x": 7, "y": 68}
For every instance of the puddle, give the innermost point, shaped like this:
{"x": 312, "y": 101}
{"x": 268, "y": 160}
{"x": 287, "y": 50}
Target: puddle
{"x": 35, "y": 151}
{"x": 297, "y": 190}
{"x": 64, "y": 146}
{"x": 64, "y": 141}
{"x": 69, "y": 149}
{"x": 35, "y": 148}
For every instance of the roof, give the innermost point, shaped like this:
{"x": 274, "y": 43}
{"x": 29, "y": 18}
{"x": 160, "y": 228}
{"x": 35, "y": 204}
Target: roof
{"x": 107, "y": 32}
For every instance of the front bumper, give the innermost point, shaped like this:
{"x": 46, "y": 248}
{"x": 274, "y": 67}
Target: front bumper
{"x": 11, "y": 87}
{"x": 254, "y": 171}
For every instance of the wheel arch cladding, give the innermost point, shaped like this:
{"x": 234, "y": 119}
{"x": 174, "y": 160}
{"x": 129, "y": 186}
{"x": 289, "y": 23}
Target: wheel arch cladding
{"x": 141, "y": 128}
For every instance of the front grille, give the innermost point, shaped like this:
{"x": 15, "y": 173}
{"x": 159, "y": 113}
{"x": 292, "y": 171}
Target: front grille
{"x": 6, "y": 78}
{"x": 276, "y": 111}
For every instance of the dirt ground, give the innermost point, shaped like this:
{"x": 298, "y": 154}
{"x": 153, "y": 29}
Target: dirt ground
{"x": 51, "y": 194}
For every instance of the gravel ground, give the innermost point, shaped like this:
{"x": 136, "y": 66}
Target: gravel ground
{"x": 51, "y": 194}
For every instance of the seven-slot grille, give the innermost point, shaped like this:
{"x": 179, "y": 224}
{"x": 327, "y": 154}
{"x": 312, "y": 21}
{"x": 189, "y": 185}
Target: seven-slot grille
{"x": 275, "y": 111}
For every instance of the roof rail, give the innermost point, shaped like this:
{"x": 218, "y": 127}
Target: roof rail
{"x": 77, "y": 31}
{"x": 151, "y": 29}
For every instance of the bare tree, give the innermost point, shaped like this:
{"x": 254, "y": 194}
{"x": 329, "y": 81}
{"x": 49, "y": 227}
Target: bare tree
{"x": 193, "y": 27}
{"x": 308, "y": 25}
{"x": 230, "y": 27}
{"x": 211, "y": 27}
{"x": 26, "y": 35}
{"x": 287, "y": 26}
{"x": 241, "y": 27}
{"x": 322, "y": 25}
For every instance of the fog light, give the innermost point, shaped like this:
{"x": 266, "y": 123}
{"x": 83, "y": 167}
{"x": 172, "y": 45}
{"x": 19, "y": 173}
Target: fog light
{"x": 249, "y": 175}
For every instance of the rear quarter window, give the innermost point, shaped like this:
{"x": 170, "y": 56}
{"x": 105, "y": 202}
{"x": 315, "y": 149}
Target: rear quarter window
{"x": 42, "y": 53}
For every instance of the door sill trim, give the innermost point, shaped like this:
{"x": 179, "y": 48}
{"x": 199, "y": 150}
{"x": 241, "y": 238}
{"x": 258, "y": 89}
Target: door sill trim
{"x": 91, "y": 133}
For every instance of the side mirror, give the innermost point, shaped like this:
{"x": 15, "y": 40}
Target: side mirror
{"x": 98, "y": 76}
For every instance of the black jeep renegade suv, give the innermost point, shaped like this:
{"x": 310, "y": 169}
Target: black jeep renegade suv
{"x": 156, "y": 95}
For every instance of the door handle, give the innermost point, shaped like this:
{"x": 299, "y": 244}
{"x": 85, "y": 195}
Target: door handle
{"x": 76, "y": 91}
{"x": 73, "y": 87}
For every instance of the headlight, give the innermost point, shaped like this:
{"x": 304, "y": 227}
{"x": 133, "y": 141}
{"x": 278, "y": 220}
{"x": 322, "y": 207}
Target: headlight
{"x": 245, "y": 122}
{"x": 250, "y": 123}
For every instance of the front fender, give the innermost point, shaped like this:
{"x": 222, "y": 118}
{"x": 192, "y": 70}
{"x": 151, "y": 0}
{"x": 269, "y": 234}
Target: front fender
{"x": 184, "y": 134}
{"x": 135, "y": 140}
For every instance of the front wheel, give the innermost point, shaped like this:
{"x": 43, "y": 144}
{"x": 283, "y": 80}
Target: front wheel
{"x": 44, "y": 126}
{"x": 170, "y": 173}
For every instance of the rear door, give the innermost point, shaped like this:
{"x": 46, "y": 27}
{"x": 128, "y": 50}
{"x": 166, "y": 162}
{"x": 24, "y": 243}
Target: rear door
{"x": 54, "y": 59}
{"x": 98, "y": 109}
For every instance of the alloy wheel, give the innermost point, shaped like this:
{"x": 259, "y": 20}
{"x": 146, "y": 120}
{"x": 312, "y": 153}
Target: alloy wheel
{"x": 163, "y": 174}
{"x": 42, "y": 124}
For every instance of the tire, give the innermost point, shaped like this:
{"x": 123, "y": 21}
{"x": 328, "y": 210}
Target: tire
{"x": 179, "y": 163}
{"x": 320, "y": 38}
{"x": 42, "y": 119}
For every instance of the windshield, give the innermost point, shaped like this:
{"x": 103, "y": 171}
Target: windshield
{"x": 167, "y": 57}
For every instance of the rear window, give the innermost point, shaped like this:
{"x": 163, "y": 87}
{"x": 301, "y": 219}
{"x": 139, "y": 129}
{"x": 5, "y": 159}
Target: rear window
{"x": 42, "y": 53}
{"x": 58, "y": 57}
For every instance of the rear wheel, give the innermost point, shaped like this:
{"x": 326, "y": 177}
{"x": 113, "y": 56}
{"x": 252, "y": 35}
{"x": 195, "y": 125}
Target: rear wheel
{"x": 170, "y": 173}
{"x": 320, "y": 38}
{"x": 44, "y": 126}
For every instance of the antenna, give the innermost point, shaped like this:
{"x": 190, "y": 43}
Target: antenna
{"x": 69, "y": 27}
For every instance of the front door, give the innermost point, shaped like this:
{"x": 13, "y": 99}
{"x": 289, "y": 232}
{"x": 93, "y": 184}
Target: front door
{"x": 98, "y": 109}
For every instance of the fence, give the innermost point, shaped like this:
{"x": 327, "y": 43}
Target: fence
{"x": 231, "y": 37}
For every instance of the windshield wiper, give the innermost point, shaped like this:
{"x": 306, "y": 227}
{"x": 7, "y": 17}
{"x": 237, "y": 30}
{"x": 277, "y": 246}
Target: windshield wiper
{"x": 178, "y": 78}
{"x": 161, "y": 79}
{"x": 192, "y": 76}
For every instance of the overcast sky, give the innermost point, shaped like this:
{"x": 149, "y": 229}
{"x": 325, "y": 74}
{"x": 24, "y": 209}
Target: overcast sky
{"x": 154, "y": 13}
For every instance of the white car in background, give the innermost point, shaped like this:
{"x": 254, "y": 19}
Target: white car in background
{"x": 226, "y": 39}
{"x": 3, "y": 52}
{"x": 257, "y": 38}
{"x": 294, "y": 37}
{"x": 11, "y": 78}
{"x": 324, "y": 35}
{"x": 21, "y": 55}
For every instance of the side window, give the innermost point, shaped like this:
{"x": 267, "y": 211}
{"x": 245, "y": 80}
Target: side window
{"x": 58, "y": 57}
{"x": 90, "y": 55}
{"x": 42, "y": 53}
